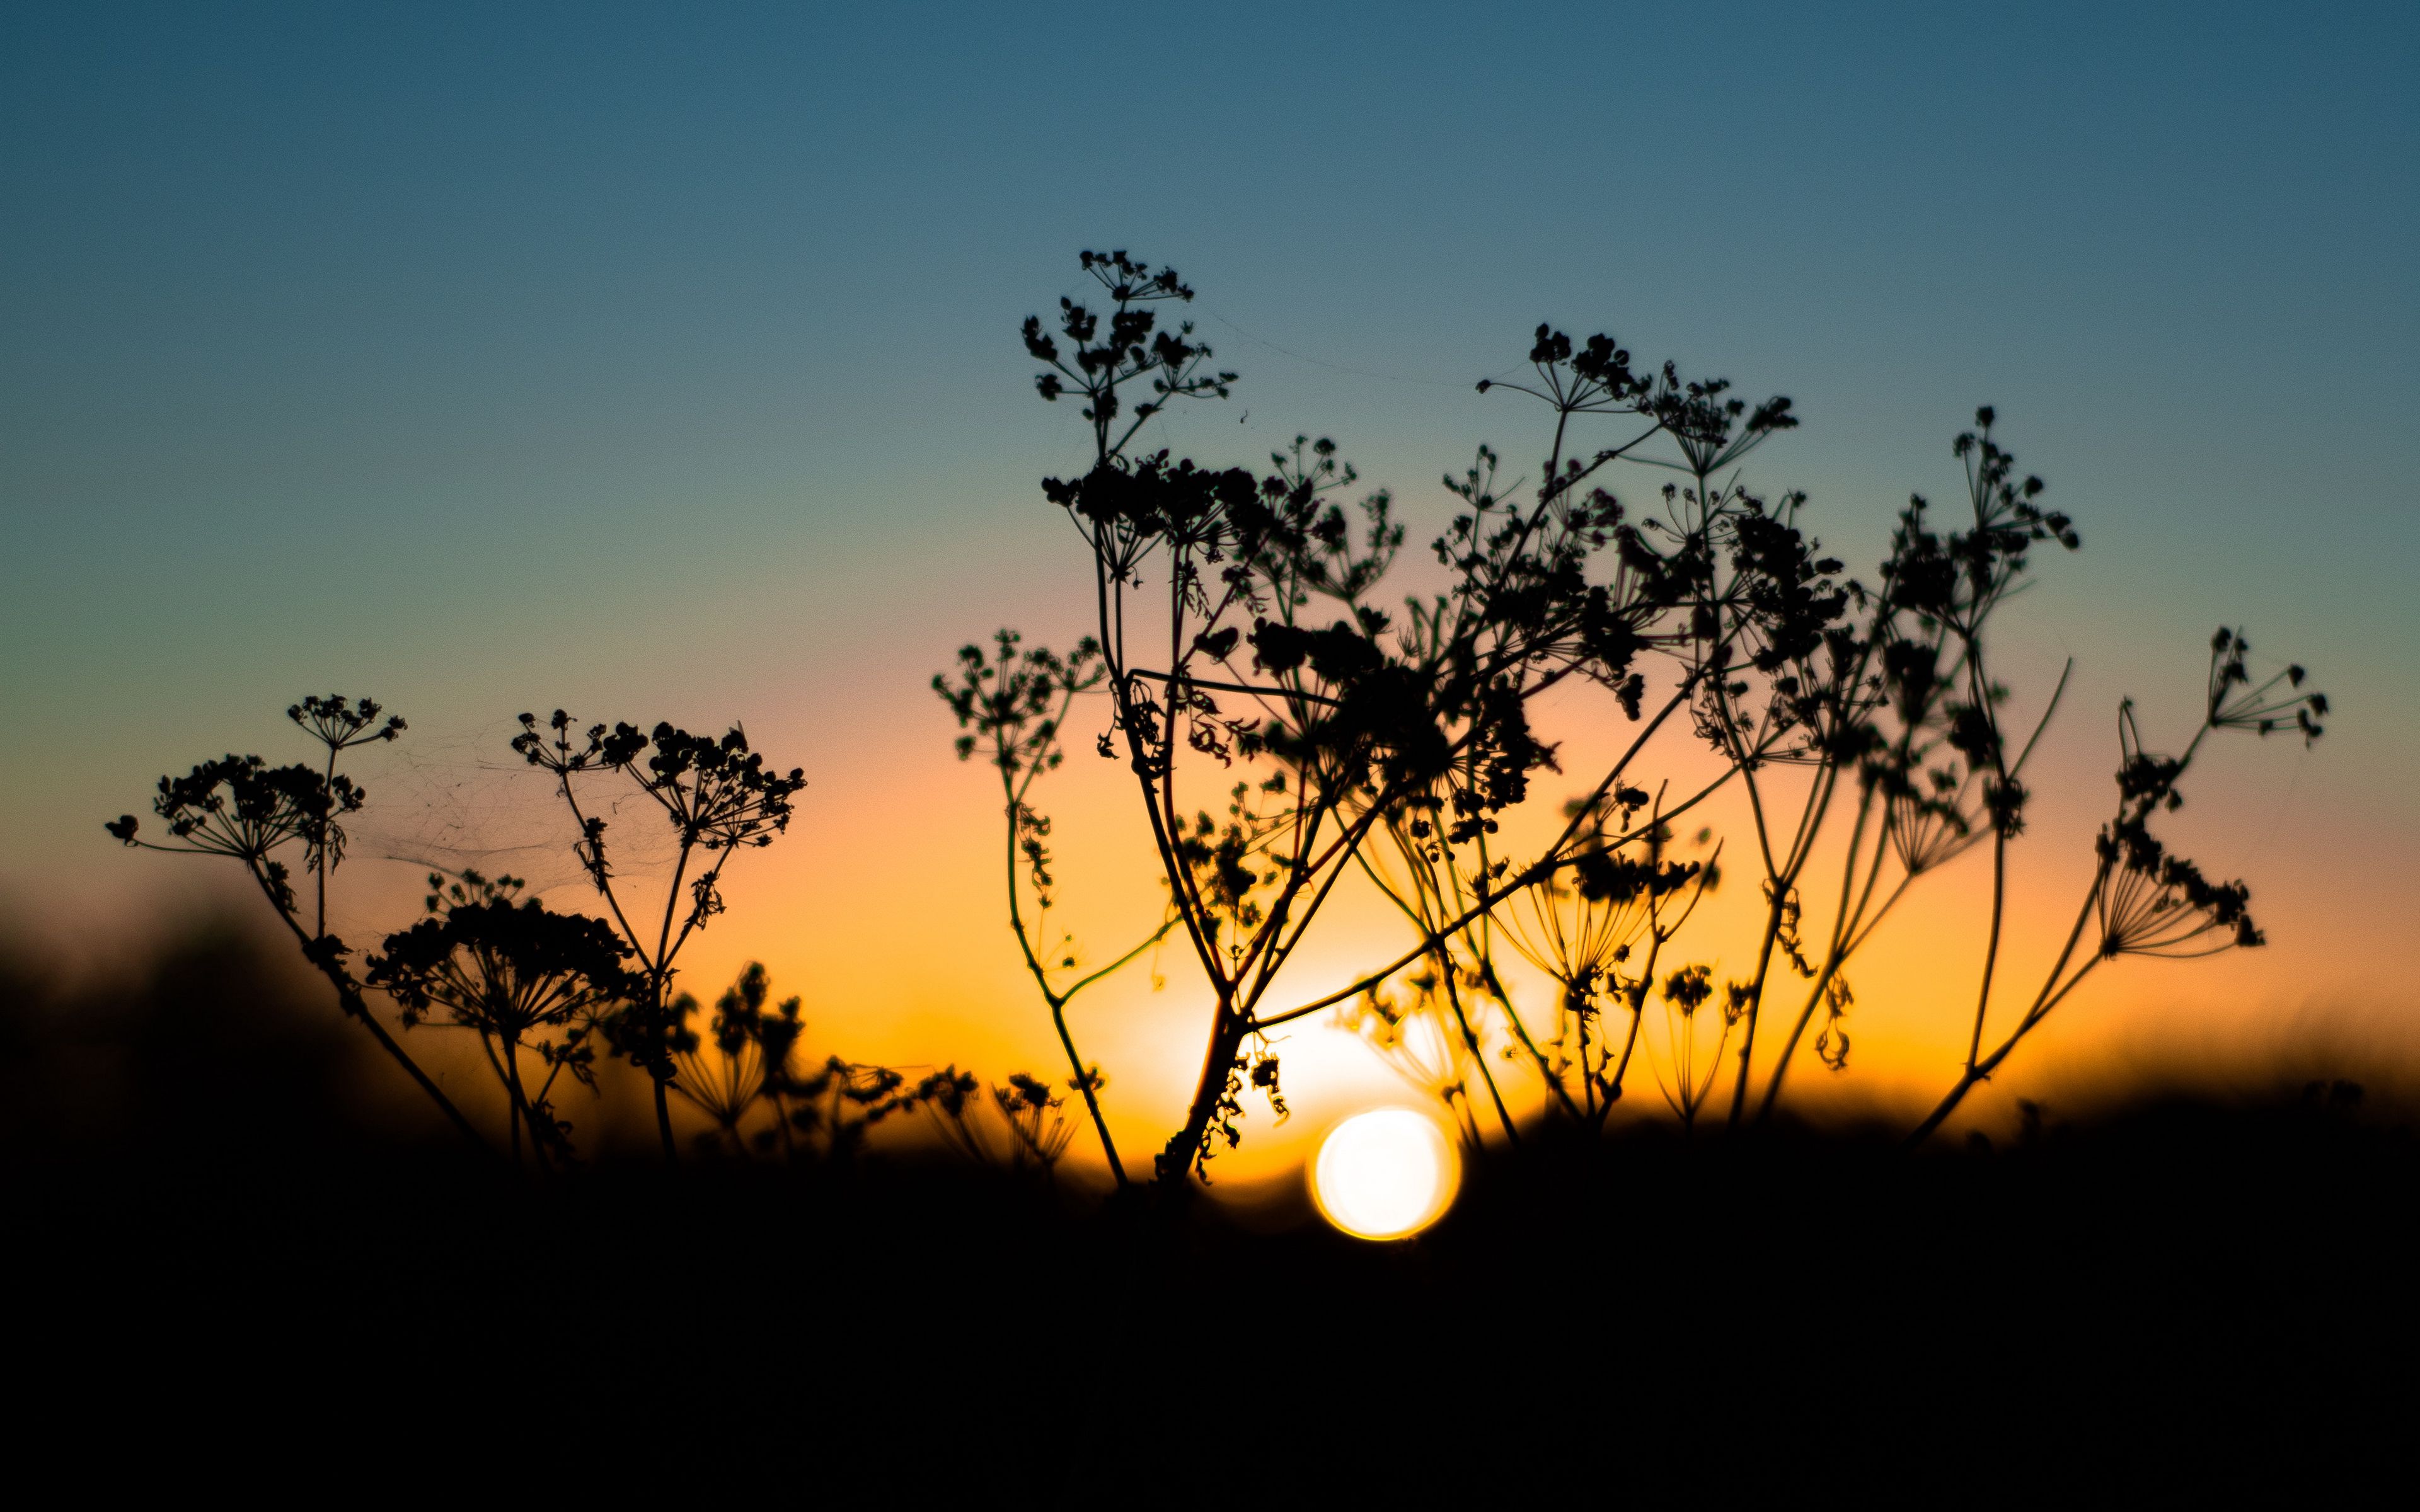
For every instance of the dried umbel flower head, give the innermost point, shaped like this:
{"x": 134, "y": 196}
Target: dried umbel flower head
{"x": 2235, "y": 702}
{"x": 2157, "y": 905}
{"x": 1098, "y": 361}
{"x": 719, "y": 797}
{"x": 241, "y": 807}
{"x": 749, "y": 1064}
{"x": 500, "y": 966}
{"x": 716, "y": 791}
{"x": 520, "y": 976}
{"x": 1578, "y": 929}
{"x": 340, "y": 723}
{"x": 2152, "y": 902}
{"x": 1010, "y": 702}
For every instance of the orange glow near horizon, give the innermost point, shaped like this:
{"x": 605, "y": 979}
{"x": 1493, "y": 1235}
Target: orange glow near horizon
{"x": 883, "y": 909}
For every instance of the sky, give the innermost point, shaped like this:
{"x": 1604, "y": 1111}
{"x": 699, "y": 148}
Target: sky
{"x": 659, "y": 363}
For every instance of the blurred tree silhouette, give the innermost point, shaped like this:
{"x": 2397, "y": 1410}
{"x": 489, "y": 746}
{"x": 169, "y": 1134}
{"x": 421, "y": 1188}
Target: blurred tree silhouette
{"x": 197, "y": 1046}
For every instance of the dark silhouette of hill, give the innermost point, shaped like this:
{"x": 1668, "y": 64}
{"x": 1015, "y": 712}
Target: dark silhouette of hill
{"x": 2176, "y": 1293}
{"x": 207, "y": 1043}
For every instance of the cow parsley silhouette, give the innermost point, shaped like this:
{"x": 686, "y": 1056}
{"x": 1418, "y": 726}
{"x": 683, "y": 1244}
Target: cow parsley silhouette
{"x": 718, "y": 798}
{"x": 1012, "y": 705}
{"x": 2143, "y": 898}
{"x": 1245, "y": 651}
{"x": 242, "y": 808}
{"x": 525, "y": 981}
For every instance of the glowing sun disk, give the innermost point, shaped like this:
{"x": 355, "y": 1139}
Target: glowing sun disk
{"x": 1385, "y": 1174}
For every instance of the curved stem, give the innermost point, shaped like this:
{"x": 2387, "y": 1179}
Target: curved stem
{"x": 349, "y": 996}
{"x": 664, "y": 1121}
{"x": 521, "y": 1105}
{"x": 1471, "y": 1040}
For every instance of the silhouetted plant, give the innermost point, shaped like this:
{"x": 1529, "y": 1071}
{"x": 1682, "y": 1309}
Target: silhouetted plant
{"x": 1724, "y": 585}
{"x": 1896, "y": 697}
{"x": 1012, "y": 705}
{"x": 1033, "y": 1134}
{"x": 1599, "y": 936}
{"x": 1423, "y": 1040}
{"x": 1364, "y": 717}
{"x": 1283, "y": 729}
{"x": 1695, "y": 1062}
{"x": 2143, "y": 898}
{"x": 743, "y": 1075}
{"x": 952, "y": 1099}
{"x": 750, "y": 1065}
{"x": 1030, "y": 1109}
{"x": 1808, "y": 686}
{"x": 840, "y": 1105}
{"x": 241, "y": 808}
{"x": 521, "y": 979}
{"x": 1922, "y": 738}
{"x": 718, "y": 797}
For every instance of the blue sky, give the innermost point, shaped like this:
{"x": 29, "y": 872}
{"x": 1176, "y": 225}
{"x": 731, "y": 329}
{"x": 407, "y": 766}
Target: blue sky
{"x": 663, "y": 357}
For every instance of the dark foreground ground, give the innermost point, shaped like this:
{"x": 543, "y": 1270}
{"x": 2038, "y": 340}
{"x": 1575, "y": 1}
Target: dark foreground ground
{"x": 2176, "y": 1302}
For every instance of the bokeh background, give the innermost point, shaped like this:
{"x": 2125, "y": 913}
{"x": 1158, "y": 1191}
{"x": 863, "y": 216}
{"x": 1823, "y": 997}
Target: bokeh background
{"x": 659, "y": 363}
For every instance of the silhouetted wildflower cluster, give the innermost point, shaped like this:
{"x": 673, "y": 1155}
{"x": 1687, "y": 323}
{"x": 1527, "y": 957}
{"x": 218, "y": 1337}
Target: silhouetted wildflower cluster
{"x": 1285, "y": 726}
{"x": 1241, "y": 645}
{"x": 519, "y": 977}
{"x": 718, "y": 797}
{"x": 241, "y": 808}
{"x": 1013, "y": 703}
{"x": 542, "y": 991}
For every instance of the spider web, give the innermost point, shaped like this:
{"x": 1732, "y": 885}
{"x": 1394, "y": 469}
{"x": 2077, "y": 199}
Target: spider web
{"x": 468, "y": 803}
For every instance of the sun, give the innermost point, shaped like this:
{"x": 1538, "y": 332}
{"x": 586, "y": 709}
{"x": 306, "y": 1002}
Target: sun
{"x": 1387, "y": 1173}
